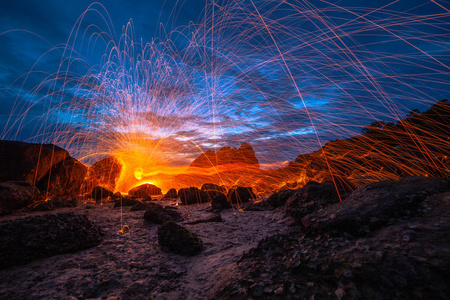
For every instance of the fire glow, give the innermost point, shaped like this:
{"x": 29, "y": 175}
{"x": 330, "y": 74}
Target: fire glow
{"x": 284, "y": 77}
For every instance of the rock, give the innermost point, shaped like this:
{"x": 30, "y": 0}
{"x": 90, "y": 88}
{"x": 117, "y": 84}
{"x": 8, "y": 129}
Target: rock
{"x": 227, "y": 155}
{"x": 179, "y": 240}
{"x": 144, "y": 190}
{"x": 126, "y": 201}
{"x": 24, "y": 240}
{"x": 49, "y": 167}
{"x": 139, "y": 206}
{"x": 212, "y": 190}
{"x": 155, "y": 213}
{"x": 16, "y": 195}
{"x": 374, "y": 205}
{"x": 105, "y": 173}
{"x": 240, "y": 195}
{"x": 220, "y": 202}
{"x": 279, "y": 199}
{"x": 53, "y": 203}
{"x": 172, "y": 193}
{"x": 192, "y": 195}
{"x": 98, "y": 193}
{"x": 117, "y": 195}
{"x": 213, "y": 218}
{"x": 310, "y": 198}
{"x": 381, "y": 265}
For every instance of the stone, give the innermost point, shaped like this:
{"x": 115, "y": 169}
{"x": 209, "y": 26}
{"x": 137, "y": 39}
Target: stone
{"x": 374, "y": 205}
{"x": 15, "y": 195}
{"x": 279, "y": 198}
{"x": 212, "y": 190}
{"x": 126, "y": 201}
{"x": 143, "y": 190}
{"x": 53, "y": 203}
{"x": 240, "y": 195}
{"x": 227, "y": 155}
{"x": 172, "y": 193}
{"x": 98, "y": 193}
{"x": 50, "y": 168}
{"x": 105, "y": 173}
{"x": 220, "y": 202}
{"x": 310, "y": 198}
{"x": 192, "y": 195}
{"x": 30, "y": 238}
{"x": 177, "y": 239}
{"x": 157, "y": 214}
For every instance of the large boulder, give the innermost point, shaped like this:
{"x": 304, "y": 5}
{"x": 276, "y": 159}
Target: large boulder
{"x": 126, "y": 201}
{"x": 310, "y": 198}
{"x": 16, "y": 195}
{"x": 143, "y": 190}
{"x": 105, "y": 173}
{"x": 212, "y": 190}
{"x": 24, "y": 240}
{"x": 172, "y": 193}
{"x": 374, "y": 205}
{"x": 48, "y": 166}
{"x": 64, "y": 179}
{"x": 192, "y": 195}
{"x": 155, "y": 213}
{"x": 177, "y": 239}
{"x": 98, "y": 193}
{"x": 240, "y": 195}
{"x": 279, "y": 198}
{"x": 220, "y": 202}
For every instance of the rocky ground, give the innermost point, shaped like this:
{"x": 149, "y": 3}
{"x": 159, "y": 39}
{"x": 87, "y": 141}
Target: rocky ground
{"x": 386, "y": 240}
{"x": 133, "y": 265}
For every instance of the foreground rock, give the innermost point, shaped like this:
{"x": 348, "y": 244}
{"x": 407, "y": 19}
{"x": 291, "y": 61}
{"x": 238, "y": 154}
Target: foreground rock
{"x": 220, "y": 202}
{"x": 155, "y": 213}
{"x": 375, "y": 205}
{"x": 34, "y": 237}
{"x": 192, "y": 195}
{"x": 53, "y": 203}
{"x": 279, "y": 199}
{"x": 98, "y": 193}
{"x": 310, "y": 198}
{"x": 179, "y": 240}
{"x": 49, "y": 167}
{"x": 16, "y": 195}
{"x": 240, "y": 195}
{"x": 405, "y": 256}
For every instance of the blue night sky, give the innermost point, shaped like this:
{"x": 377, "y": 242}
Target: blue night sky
{"x": 283, "y": 76}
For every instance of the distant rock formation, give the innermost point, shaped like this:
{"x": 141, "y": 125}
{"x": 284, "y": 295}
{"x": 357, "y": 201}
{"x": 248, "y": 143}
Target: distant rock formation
{"x": 227, "y": 155}
{"x": 49, "y": 167}
{"x": 104, "y": 173}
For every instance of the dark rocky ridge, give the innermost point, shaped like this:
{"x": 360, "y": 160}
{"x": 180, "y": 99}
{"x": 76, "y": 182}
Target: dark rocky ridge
{"x": 338, "y": 254}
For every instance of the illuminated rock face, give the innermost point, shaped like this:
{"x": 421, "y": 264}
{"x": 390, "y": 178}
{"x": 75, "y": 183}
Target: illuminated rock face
{"x": 104, "y": 173}
{"x": 48, "y": 166}
{"x": 227, "y": 155}
{"x": 144, "y": 190}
